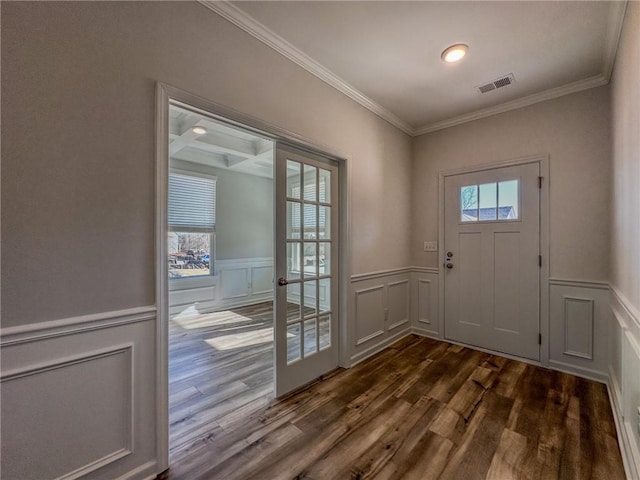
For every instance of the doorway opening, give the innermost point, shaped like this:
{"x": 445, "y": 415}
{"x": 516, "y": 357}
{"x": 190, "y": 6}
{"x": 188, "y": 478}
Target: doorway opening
{"x": 220, "y": 265}
{"x": 252, "y": 241}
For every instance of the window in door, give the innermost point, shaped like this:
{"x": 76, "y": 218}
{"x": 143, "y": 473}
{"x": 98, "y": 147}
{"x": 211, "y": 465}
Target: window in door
{"x": 497, "y": 201}
{"x": 192, "y": 223}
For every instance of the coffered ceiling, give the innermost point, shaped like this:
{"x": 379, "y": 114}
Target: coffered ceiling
{"x": 386, "y": 54}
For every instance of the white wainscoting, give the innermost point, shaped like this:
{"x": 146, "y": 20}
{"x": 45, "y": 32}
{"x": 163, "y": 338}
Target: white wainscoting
{"x": 579, "y": 318}
{"x": 380, "y": 309}
{"x": 624, "y": 379}
{"x": 78, "y": 397}
{"x": 425, "y": 318}
{"x": 239, "y": 282}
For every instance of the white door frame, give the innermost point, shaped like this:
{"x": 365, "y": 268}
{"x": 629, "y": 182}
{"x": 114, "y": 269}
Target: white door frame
{"x": 543, "y": 161}
{"x": 165, "y": 94}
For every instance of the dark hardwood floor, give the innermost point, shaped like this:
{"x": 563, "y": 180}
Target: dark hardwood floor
{"x": 421, "y": 409}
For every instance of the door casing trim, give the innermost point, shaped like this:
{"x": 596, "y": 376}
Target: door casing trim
{"x": 543, "y": 161}
{"x": 165, "y": 95}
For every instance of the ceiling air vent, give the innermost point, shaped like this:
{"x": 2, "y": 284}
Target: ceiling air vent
{"x": 497, "y": 83}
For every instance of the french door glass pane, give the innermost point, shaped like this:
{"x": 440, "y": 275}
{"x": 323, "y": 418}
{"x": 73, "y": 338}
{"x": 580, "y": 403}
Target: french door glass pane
{"x": 324, "y": 258}
{"x": 293, "y": 220}
{"x": 294, "y": 260}
{"x": 310, "y": 337}
{"x": 310, "y": 183}
{"x": 324, "y": 330}
{"x": 310, "y": 221}
{"x": 294, "y": 342}
{"x": 293, "y": 302}
{"x": 310, "y": 259}
{"x": 324, "y": 294}
{"x": 324, "y": 222}
{"x": 293, "y": 179}
{"x": 310, "y": 289}
{"x": 325, "y": 186}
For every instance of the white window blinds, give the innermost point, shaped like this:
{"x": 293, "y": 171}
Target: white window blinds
{"x": 192, "y": 202}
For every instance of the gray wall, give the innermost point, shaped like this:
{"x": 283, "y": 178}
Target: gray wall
{"x": 625, "y": 208}
{"x": 244, "y": 212}
{"x": 78, "y": 106}
{"x": 574, "y": 131}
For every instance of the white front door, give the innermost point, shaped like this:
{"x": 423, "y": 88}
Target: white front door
{"x": 307, "y": 267}
{"x": 491, "y": 255}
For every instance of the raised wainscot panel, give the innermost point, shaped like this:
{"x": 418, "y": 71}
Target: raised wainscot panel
{"x": 68, "y": 418}
{"x": 425, "y": 304}
{"x": 579, "y": 328}
{"x": 262, "y": 280}
{"x": 234, "y": 283}
{"x": 398, "y": 304}
{"x": 78, "y": 398}
{"x": 369, "y": 313}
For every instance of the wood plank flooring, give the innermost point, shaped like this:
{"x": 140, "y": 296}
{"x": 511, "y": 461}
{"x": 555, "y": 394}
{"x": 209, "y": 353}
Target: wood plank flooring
{"x": 421, "y": 409}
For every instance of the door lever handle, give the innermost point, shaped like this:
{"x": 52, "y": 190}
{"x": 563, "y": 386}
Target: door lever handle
{"x": 283, "y": 281}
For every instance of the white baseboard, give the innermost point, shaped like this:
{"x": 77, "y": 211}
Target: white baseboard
{"x": 378, "y": 347}
{"x": 630, "y": 456}
{"x": 587, "y": 373}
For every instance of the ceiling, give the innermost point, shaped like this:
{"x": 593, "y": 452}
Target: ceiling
{"x": 386, "y": 55}
{"x": 222, "y": 146}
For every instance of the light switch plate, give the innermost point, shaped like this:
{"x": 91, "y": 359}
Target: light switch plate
{"x": 430, "y": 246}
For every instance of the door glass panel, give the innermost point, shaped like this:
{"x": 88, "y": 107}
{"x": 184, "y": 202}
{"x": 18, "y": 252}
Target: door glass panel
{"x": 293, "y": 179}
{"x": 294, "y": 259}
{"x": 324, "y": 222}
{"x": 294, "y": 343}
{"x": 310, "y": 337}
{"x": 293, "y": 220}
{"x": 310, "y": 183}
{"x": 310, "y": 289}
{"x": 469, "y": 203}
{"x": 488, "y": 201}
{"x": 324, "y": 185}
{"x": 310, "y": 259}
{"x": 324, "y": 294}
{"x": 293, "y": 302}
{"x": 310, "y": 223}
{"x": 324, "y": 331}
{"x": 324, "y": 258}
{"x": 508, "y": 200}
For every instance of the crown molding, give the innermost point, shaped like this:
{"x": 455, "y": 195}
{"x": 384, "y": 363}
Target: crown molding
{"x": 256, "y": 29}
{"x": 552, "y": 93}
{"x": 614, "y": 30}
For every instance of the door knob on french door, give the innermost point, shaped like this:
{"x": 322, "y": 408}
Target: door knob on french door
{"x": 283, "y": 281}
{"x": 449, "y": 265}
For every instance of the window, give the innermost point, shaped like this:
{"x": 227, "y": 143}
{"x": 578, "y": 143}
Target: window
{"x": 489, "y": 202}
{"x": 192, "y": 224}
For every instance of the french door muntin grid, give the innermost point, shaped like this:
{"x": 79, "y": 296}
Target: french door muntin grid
{"x": 308, "y": 260}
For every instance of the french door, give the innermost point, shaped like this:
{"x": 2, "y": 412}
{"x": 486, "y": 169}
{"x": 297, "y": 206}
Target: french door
{"x": 491, "y": 258}
{"x": 307, "y": 267}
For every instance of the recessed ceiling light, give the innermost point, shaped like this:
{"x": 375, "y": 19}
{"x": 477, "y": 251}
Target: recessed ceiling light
{"x": 454, "y": 53}
{"x": 200, "y": 130}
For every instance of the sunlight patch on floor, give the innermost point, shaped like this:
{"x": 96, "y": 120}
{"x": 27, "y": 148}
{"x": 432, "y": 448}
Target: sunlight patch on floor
{"x": 190, "y": 319}
{"x": 241, "y": 340}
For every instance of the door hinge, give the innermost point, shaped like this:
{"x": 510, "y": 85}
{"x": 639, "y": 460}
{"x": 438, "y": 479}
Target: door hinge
{"x": 540, "y": 260}
{"x": 539, "y": 339}
{"x": 539, "y": 182}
